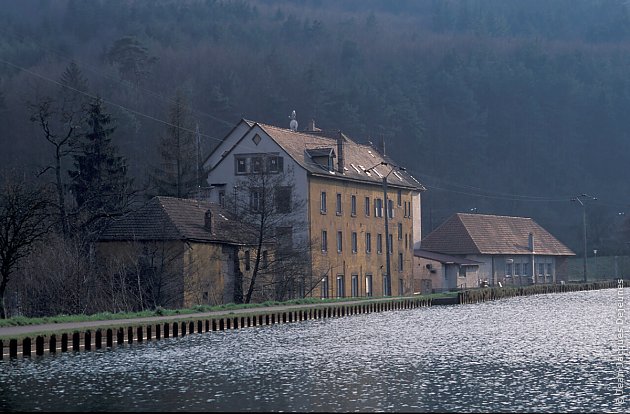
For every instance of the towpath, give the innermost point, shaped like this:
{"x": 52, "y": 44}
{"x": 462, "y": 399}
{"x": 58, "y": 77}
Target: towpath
{"x": 13, "y": 331}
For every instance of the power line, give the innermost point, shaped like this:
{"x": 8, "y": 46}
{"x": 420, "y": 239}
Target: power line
{"x": 123, "y": 82}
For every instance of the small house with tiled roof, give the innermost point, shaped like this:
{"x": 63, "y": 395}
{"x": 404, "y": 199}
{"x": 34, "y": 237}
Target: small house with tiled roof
{"x": 182, "y": 252}
{"x": 511, "y": 250}
{"x": 342, "y": 183}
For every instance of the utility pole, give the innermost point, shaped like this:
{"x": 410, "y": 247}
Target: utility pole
{"x": 579, "y": 200}
{"x": 388, "y": 280}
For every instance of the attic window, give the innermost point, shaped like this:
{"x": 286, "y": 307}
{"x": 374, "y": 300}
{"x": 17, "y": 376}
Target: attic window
{"x": 377, "y": 173}
{"x": 398, "y": 175}
{"x": 370, "y": 152}
{"x": 366, "y": 172}
{"x": 356, "y": 169}
{"x": 256, "y": 139}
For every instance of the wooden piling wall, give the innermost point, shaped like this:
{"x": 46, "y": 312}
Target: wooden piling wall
{"x": 94, "y": 339}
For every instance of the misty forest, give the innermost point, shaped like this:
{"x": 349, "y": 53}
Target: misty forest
{"x": 495, "y": 106}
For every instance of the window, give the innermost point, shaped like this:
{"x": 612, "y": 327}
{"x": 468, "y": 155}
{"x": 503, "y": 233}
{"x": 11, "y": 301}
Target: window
{"x": 399, "y": 198}
{"x": 274, "y": 164}
{"x": 246, "y": 164}
{"x": 378, "y": 208}
{"x": 254, "y": 200}
{"x": 324, "y": 289}
{"x": 341, "y": 291}
{"x": 508, "y": 269}
{"x": 367, "y": 206}
{"x": 400, "y": 262}
{"x": 406, "y": 241}
{"x": 368, "y": 285}
{"x": 400, "y": 232}
{"x": 339, "y": 242}
{"x": 283, "y": 199}
{"x": 390, "y": 209}
{"x": 256, "y": 164}
{"x": 324, "y": 241}
{"x": 391, "y": 243}
{"x": 353, "y": 205}
{"x": 368, "y": 242}
{"x": 541, "y": 269}
{"x": 549, "y": 269}
{"x": 462, "y": 271}
{"x": 385, "y": 286}
{"x": 338, "y": 205}
{"x": 379, "y": 243}
{"x": 247, "y": 260}
{"x": 322, "y": 208}
{"x": 265, "y": 259}
{"x": 401, "y": 287}
{"x": 241, "y": 165}
{"x": 355, "y": 285}
{"x": 222, "y": 198}
{"x": 354, "y": 242}
{"x": 525, "y": 269}
{"x": 284, "y": 236}
{"x": 517, "y": 269}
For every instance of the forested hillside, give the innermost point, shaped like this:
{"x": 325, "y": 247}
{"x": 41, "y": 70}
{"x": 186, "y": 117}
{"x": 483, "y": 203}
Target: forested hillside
{"x": 498, "y": 107}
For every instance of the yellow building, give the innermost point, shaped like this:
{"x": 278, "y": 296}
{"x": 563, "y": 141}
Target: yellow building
{"x": 346, "y": 219}
{"x": 175, "y": 253}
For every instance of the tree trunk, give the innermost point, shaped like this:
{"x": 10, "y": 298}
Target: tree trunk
{"x": 3, "y": 288}
{"x": 238, "y": 279}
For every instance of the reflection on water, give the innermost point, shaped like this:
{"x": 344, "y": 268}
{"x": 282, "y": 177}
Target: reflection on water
{"x": 539, "y": 353}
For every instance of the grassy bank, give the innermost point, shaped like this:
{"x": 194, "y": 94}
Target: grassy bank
{"x": 25, "y": 321}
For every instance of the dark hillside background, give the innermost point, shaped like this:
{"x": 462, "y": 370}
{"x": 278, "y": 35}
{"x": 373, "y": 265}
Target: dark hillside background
{"x": 498, "y": 107}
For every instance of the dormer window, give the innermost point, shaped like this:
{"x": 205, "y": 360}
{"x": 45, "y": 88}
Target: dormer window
{"x": 324, "y": 157}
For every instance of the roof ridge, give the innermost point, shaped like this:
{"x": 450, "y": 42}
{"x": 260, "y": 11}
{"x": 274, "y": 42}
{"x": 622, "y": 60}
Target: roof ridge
{"x": 493, "y": 215}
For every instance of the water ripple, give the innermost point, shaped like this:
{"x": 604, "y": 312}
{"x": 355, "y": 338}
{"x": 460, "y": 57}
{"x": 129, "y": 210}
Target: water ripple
{"x": 544, "y": 353}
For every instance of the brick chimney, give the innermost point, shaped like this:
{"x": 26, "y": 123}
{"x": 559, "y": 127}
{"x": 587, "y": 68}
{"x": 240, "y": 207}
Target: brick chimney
{"x": 340, "y": 160}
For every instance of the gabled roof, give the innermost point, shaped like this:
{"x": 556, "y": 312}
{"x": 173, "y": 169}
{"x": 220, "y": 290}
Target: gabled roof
{"x": 489, "y": 234}
{"x": 300, "y": 145}
{"x": 444, "y": 258}
{"x": 170, "y": 218}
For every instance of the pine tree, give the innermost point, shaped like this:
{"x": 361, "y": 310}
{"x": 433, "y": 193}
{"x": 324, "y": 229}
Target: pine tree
{"x": 99, "y": 182}
{"x": 74, "y": 83}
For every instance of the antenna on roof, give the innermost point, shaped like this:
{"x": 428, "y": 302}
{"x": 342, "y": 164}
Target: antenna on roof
{"x": 294, "y": 123}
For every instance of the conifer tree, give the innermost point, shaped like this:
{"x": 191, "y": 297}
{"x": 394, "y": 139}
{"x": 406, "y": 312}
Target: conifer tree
{"x": 176, "y": 175}
{"x": 99, "y": 182}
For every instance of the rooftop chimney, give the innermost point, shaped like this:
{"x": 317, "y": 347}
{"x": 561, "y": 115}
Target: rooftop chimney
{"x": 340, "y": 161}
{"x": 208, "y": 221}
{"x": 311, "y": 126}
{"x": 531, "y": 242}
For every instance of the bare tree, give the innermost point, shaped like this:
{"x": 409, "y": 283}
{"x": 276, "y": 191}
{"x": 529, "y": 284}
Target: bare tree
{"x": 59, "y": 126}
{"x": 24, "y": 221}
{"x": 273, "y": 217}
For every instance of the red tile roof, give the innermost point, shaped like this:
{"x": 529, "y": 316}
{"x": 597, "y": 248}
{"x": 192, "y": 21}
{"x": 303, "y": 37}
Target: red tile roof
{"x": 357, "y": 157}
{"x": 489, "y": 234}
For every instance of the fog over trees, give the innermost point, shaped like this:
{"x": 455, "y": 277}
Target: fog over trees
{"x": 498, "y": 107}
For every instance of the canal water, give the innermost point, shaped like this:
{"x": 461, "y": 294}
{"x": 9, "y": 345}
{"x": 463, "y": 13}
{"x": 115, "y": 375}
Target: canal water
{"x": 544, "y": 353}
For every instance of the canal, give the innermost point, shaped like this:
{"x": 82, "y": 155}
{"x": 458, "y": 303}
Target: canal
{"x": 543, "y": 353}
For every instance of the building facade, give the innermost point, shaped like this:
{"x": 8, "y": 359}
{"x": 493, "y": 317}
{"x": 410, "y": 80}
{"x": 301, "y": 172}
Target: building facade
{"x": 338, "y": 187}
